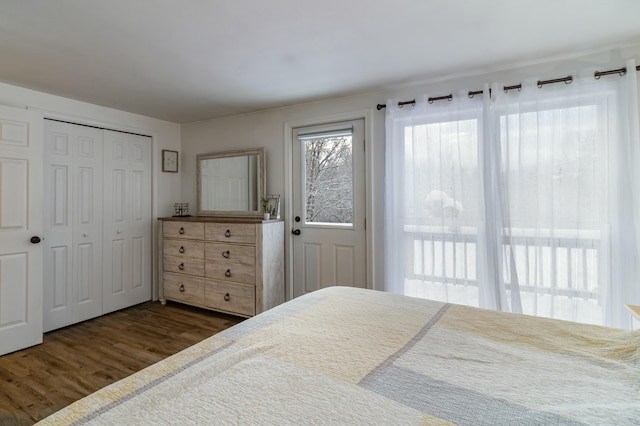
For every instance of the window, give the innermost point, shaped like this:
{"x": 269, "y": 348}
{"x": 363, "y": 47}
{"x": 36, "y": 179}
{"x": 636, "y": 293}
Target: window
{"x": 328, "y": 179}
{"x": 516, "y": 203}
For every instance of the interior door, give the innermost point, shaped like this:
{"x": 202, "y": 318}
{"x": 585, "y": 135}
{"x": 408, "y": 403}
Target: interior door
{"x": 20, "y": 229}
{"x": 73, "y": 224}
{"x": 127, "y": 220}
{"x": 329, "y": 245}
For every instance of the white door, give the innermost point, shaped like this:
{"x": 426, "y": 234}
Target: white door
{"x": 20, "y": 221}
{"x": 127, "y": 220}
{"x": 73, "y": 224}
{"x": 329, "y": 207}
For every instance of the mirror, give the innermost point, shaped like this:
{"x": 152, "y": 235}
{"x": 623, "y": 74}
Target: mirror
{"x": 231, "y": 183}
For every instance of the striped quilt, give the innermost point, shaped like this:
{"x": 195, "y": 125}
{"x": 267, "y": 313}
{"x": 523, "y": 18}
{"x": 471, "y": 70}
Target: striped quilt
{"x": 351, "y": 356}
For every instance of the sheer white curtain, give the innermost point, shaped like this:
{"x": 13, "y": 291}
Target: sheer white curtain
{"x": 525, "y": 201}
{"x": 433, "y": 198}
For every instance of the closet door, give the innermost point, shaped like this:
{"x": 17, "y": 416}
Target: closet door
{"x": 127, "y": 220}
{"x": 73, "y": 224}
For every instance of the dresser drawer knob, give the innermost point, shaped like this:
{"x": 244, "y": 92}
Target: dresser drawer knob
{"x": 181, "y": 231}
{"x": 227, "y": 273}
{"x": 227, "y": 297}
{"x": 225, "y": 254}
{"x": 181, "y": 249}
{"x": 228, "y": 233}
{"x": 181, "y": 288}
{"x": 181, "y": 266}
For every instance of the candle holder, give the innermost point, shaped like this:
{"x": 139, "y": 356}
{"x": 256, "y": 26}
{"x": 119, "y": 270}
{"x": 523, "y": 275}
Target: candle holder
{"x": 181, "y": 209}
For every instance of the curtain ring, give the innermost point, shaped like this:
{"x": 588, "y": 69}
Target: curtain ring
{"x": 596, "y": 75}
{"x": 450, "y": 98}
{"x": 622, "y": 72}
{"x": 430, "y": 101}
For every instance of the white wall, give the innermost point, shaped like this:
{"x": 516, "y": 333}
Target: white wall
{"x": 266, "y": 128}
{"x": 165, "y": 135}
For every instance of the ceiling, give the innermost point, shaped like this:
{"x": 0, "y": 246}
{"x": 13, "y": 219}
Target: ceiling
{"x": 188, "y": 60}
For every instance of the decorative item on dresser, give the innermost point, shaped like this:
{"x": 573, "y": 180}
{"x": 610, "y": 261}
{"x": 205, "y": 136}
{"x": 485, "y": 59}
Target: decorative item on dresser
{"x": 273, "y": 203}
{"x": 225, "y": 264}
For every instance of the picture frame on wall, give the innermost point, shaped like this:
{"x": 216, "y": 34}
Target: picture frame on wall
{"x": 169, "y": 161}
{"x": 274, "y": 206}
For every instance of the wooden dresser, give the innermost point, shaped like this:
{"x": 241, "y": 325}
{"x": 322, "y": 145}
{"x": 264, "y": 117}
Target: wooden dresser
{"x": 234, "y": 266}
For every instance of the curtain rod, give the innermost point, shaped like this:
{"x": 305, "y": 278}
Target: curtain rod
{"x": 567, "y": 80}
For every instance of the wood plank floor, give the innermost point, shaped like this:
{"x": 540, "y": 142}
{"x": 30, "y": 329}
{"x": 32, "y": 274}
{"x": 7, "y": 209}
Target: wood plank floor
{"x": 75, "y": 361}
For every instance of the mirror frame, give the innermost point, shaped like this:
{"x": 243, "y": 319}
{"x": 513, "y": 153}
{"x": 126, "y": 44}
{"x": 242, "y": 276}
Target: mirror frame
{"x": 261, "y": 183}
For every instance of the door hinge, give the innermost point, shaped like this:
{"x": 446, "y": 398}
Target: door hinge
{"x": 365, "y": 223}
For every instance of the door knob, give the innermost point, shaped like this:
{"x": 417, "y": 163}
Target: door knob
{"x": 296, "y": 232}
{"x": 35, "y": 239}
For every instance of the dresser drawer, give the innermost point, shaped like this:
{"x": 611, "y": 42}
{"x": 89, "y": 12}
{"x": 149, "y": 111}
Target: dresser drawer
{"x": 183, "y": 248}
{"x": 236, "y": 272}
{"x": 184, "y": 288}
{"x": 189, "y": 230}
{"x": 183, "y": 265}
{"x": 229, "y": 297}
{"x": 230, "y": 253}
{"x": 230, "y": 232}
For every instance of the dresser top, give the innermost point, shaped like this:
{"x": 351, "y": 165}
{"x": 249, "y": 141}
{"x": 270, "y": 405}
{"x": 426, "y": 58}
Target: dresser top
{"x": 217, "y": 219}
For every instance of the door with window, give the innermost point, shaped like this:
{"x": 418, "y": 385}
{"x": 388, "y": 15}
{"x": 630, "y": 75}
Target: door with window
{"x": 329, "y": 243}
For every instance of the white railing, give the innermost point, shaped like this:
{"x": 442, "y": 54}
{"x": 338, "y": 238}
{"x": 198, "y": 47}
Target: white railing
{"x": 563, "y": 264}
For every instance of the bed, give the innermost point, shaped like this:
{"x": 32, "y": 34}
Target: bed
{"x": 350, "y": 356}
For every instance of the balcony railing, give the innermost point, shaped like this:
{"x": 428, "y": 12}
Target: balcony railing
{"x": 560, "y": 264}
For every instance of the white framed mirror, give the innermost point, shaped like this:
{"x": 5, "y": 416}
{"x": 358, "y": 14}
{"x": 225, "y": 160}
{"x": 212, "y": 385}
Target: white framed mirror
{"x": 231, "y": 183}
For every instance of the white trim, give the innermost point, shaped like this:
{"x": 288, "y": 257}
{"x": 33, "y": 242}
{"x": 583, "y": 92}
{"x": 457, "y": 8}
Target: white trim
{"x": 367, "y": 116}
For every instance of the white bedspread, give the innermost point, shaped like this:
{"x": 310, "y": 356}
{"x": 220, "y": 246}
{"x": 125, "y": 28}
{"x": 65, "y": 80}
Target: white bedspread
{"x": 352, "y": 356}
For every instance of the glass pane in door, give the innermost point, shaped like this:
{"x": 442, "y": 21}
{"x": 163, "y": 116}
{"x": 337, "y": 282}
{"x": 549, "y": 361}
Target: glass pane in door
{"x": 329, "y": 180}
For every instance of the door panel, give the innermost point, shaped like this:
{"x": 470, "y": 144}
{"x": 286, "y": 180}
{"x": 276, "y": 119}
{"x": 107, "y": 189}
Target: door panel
{"x": 13, "y": 204}
{"x": 73, "y": 228}
{"x": 20, "y": 219}
{"x": 13, "y": 294}
{"x": 329, "y": 206}
{"x": 61, "y": 266}
{"x": 127, "y": 224}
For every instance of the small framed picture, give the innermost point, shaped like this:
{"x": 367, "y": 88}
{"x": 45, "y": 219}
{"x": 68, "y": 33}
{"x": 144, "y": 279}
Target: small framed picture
{"x": 274, "y": 206}
{"x": 169, "y": 161}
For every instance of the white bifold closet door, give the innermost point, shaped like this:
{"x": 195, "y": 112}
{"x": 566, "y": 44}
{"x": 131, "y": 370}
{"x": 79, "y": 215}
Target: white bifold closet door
{"x": 97, "y": 200}
{"x": 127, "y": 220}
{"x": 73, "y": 224}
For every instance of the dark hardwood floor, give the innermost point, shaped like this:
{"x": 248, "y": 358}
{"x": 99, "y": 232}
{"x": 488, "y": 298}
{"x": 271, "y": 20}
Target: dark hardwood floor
{"x": 75, "y": 361}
